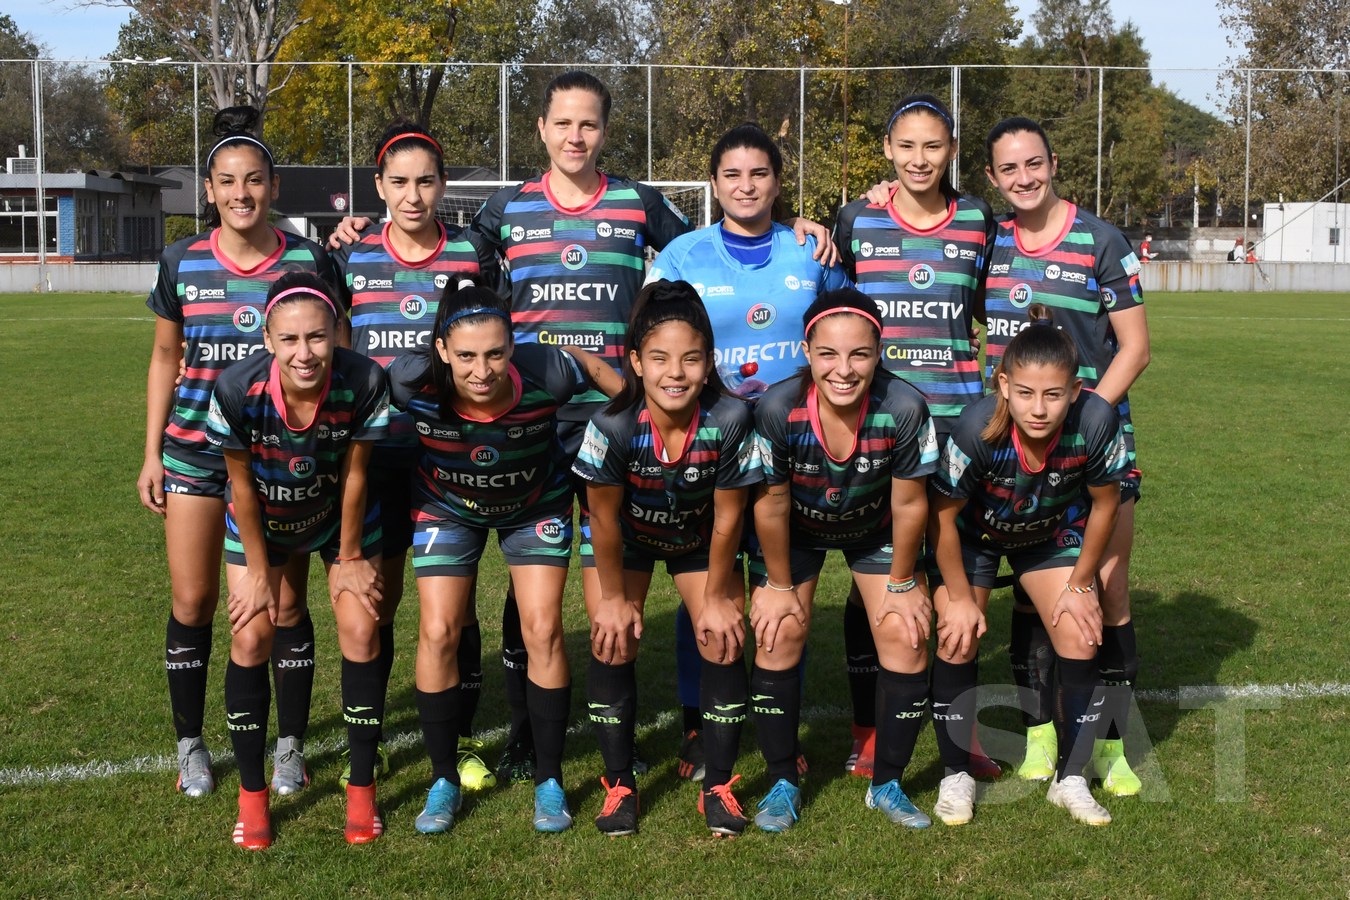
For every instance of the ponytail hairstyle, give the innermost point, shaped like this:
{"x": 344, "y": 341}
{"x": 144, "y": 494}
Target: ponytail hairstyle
{"x": 294, "y": 287}
{"x": 232, "y": 126}
{"x": 462, "y": 303}
{"x": 1015, "y": 125}
{"x": 927, "y": 104}
{"x": 656, "y": 304}
{"x": 1038, "y": 344}
{"x": 847, "y": 301}
{"x": 403, "y": 135}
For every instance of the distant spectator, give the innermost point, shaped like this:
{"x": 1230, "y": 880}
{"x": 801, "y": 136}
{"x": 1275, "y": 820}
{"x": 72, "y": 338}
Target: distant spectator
{"x": 1251, "y": 251}
{"x": 1146, "y": 253}
{"x": 1236, "y": 255}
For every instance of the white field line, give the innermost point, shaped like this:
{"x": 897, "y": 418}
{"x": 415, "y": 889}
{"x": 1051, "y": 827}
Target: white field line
{"x": 334, "y": 743}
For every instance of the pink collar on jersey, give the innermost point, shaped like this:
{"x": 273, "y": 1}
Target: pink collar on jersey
{"x": 278, "y": 394}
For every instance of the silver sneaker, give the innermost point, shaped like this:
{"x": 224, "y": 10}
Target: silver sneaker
{"x": 289, "y": 775}
{"x": 956, "y": 799}
{"x": 1072, "y": 793}
{"x": 194, "y": 768}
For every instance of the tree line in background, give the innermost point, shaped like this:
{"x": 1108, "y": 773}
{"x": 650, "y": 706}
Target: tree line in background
{"x": 1156, "y": 148}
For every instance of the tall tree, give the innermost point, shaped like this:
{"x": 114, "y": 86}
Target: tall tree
{"x": 16, "y": 87}
{"x": 153, "y": 102}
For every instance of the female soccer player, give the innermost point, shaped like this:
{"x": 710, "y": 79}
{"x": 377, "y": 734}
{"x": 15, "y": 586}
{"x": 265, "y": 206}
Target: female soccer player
{"x": 755, "y": 279}
{"x": 920, "y": 254}
{"x": 846, "y": 448}
{"x": 1031, "y": 473}
{"x": 296, "y": 425}
{"x": 208, "y": 299}
{"x": 486, "y": 412}
{"x": 1050, "y": 251}
{"x": 668, "y": 465}
{"x": 391, "y": 279}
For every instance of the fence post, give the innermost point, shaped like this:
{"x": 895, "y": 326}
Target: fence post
{"x": 649, "y": 123}
{"x": 954, "y": 170}
{"x": 801, "y": 137}
{"x": 351, "y": 156}
{"x": 39, "y": 151}
{"x": 1101, "y": 93}
{"x": 503, "y": 99}
{"x": 1247, "y": 165}
{"x": 196, "y": 147}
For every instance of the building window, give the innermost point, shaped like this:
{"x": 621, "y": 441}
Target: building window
{"x": 19, "y": 225}
{"x": 1334, "y": 236}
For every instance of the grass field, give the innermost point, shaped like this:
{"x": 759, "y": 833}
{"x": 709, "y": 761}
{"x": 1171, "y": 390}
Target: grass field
{"x": 1241, "y": 570}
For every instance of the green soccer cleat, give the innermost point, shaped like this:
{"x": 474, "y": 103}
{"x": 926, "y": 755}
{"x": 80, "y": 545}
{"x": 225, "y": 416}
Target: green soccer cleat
{"x": 1111, "y": 766}
{"x": 1042, "y": 751}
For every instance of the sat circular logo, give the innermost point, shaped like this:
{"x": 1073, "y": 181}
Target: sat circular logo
{"x": 1052, "y": 271}
{"x": 358, "y": 282}
{"x": 1069, "y": 539}
{"x": 423, "y": 428}
{"x": 922, "y": 277}
{"x": 761, "y": 315}
{"x": 792, "y": 282}
{"x": 604, "y": 229}
{"x": 518, "y": 233}
{"x": 413, "y": 307}
{"x": 573, "y": 256}
{"x": 834, "y": 496}
{"x": 441, "y": 281}
{"x": 1108, "y": 297}
{"x": 1020, "y": 295}
{"x": 950, "y": 251}
{"x": 247, "y": 318}
{"x": 484, "y": 455}
{"x": 865, "y": 248}
{"x": 551, "y": 531}
{"x": 1026, "y": 506}
{"x": 302, "y": 466}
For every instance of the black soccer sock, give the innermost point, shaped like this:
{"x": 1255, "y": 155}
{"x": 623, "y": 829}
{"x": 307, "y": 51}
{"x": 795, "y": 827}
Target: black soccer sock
{"x": 688, "y": 668}
{"x": 363, "y": 711}
{"x": 293, "y": 676}
{"x": 438, "y": 714}
{"x": 515, "y": 671}
{"x": 776, "y": 701}
{"x": 187, "y": 653}
{"x": 470, "y": 661}
{"x": 611, "y": 705}
{"x": 1033, "y": 661}
{"x": 1118, "y": 665}
{"x": 246, "y": 701}
{"x": 862, "y": 665}
{"x": 899, "y": 709}
{"x": 954, "y": 711}
{"x": 386, "y": 661}
{"x": 549, "y": 708}
{"x": 1076, "y": 718}
{"x": 724, "y": 690}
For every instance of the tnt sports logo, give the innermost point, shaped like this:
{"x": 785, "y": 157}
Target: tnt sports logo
{"x": 951, "y": 251}
{"x": 302, "y": 466}
{"x": 574, "y": 257}
{"x": 423, "y": 428}
{"x": 922, "y": 276}
{"x": 604, "y": 230}
{"x": 413, "y": 307}
{"x": 190, "y": 292}
{"x": 792, "y": 282}
{"x": 865, "y": 248}
{"x": 1054, "y": 479}
{"x": 247, "y": 319}
{"x": 1026, "y": 506}
{"x": 863, "y": 464}
{"x": 551, "y": 531}
{"x": 691, "y": 474}
{"x": 1108, "y": 298}
{"x": 834, "y": 496}
{"x": 484, "y": 456}
{"x": 358, "y": 282}
{"x": 515, "y": 432}
{"x": 761, "y": 315}
{"x": 518, "y": 233}
{"x": 1020, "y": 295}
{"x": 441, "y": 281}
{"x": 1052, "y": 271}
{"x": 321, "y": 433}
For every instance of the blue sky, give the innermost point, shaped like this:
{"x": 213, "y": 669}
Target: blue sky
{"x": 1179, "y": 35}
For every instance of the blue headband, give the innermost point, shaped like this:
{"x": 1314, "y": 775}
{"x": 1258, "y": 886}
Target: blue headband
{"x": 474, "y": 311}
{"x": 926, "y": 105}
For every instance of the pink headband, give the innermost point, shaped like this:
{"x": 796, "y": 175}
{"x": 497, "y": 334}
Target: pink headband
{"x": 842, "y": 309}
{"x": 379, "y": 157}
{"x": 296, "y": 291}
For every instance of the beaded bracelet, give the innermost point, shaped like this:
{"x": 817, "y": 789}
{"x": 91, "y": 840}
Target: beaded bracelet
{"x": 782, "y": 590}
{"x": 900, "y": 587}
{"x": 1073, "y": 590}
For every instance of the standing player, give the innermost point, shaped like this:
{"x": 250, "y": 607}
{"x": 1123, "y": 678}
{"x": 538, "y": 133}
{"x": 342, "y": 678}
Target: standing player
{"x": 487, "y": 415}
{"x": 1032, "y": 474}
{"x": 296, "y": 426}
{"x": 1049, "y": 251}
{"x": 208, "y": 299}
{"x": 668, "y": 465}
{"x": 920, "y": 254}
{"x": 846, "y": 449}
{"x": 755, "y": 280}
{"x": 392, "y": 276}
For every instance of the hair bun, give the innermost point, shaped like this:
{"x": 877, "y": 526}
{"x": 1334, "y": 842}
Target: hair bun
{"x": 234, "y": 120}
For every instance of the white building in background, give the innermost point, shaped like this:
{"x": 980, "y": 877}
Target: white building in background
{"x": 1305, "y": 232}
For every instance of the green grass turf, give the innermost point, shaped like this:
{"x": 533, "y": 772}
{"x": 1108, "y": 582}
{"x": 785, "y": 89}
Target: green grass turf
{"x": 1239, "y": 578}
